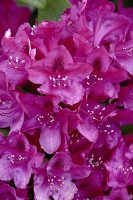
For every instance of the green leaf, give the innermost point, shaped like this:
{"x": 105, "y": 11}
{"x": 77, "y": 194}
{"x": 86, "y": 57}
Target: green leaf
{"x": 52, "y": 10}
{"x": 34, "y": 3}
{"x": 127, "y": 129}
{"x": 5, "y": 131}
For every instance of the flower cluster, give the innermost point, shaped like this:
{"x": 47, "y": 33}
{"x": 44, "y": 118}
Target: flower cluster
{"x": 66, "y": 96}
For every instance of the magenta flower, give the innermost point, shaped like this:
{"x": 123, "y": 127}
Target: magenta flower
{"x": 94, "y": 157}
{"x": 44, "y": 113}
{"x": 101, "y": 82}
{"x": 56, "y": 73}
{"x": 97, "y": 112}
{"x": 45, "y": 116}
{"x": 55, "y": 178}
{"x": 17, "y": 53}
{"x": 17, "y": 159}
{"x": 120, "y": 167}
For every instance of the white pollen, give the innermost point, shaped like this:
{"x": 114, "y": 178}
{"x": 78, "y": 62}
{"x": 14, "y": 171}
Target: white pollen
{"x": 8, "y": 33}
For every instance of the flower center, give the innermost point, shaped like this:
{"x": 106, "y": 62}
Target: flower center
{"x": 93, "y": 161}
{"x": 96, "y": 112}
{"x": 59, "y": 81}
{"x": 58, "y": 65}
{"x": 15, "y": 159}
{"x": 75, "y": 138}
{"x": 93, "y": 79}
{"x": 16, "y": 62}
{"x": 46, "y": 120}
{"x": 55, "y": 182}
{"x": 108, "y": 129}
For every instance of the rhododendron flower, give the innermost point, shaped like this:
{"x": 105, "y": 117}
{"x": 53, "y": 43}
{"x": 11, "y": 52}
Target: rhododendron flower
{"x": 56, "y": 73}
{"x": 98, "y": 83}
{"x": 120, "y": 167}
{"x": 55, "y": 178}
{"x": 47, "y": 118}
{"x": 17, "y": 158}
{"x": 14, "y": 61}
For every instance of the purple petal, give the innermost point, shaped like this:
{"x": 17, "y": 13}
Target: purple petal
{"x": 88, "y": 130}
{"x": 50, "y": 139}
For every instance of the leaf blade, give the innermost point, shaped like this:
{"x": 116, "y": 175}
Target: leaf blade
{"x": 52, "y": 10}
